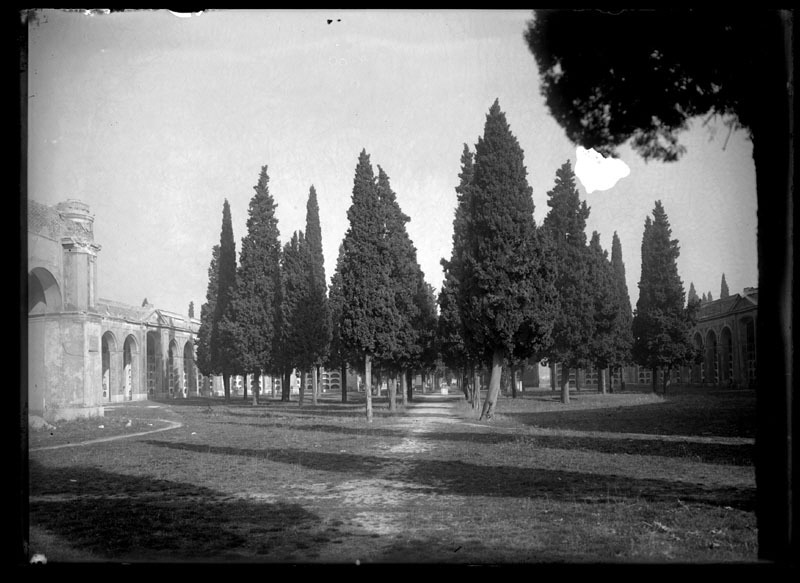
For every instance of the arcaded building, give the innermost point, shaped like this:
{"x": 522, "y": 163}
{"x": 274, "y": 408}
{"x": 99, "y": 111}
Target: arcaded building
{"x": 85, "y": 352}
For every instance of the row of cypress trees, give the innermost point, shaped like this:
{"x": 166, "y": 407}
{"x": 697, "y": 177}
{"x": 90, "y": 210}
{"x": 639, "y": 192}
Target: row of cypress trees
{"x": 269, "y": 313}
{"x": 515, "y": 291}
{"x": 512, "y": 290}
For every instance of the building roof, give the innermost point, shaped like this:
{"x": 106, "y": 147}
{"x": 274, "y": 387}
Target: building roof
{"x": 145, "y": 314}
{"x": 732, "y": 304}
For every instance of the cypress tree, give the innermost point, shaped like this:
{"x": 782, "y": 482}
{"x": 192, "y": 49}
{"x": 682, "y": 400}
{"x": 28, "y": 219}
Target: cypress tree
{"x": 705, "y": 299}
{"x": 661, "y": 323}
{"x": 604, "y": 310}
{"x": 450, "y": 330}
{"x": 223, "y": 341}
{"x": 252, "y": 312}
{"x": 317, "y": 322}
{"x": 565, "y": 226}
{"x": 723, "y": 292}
{"x": 623, "y": 336}
{"x": 294, "y": 353}
{"x": 503, "y": 296}
{"x": 369, "y": 313}
{"x": 692, "y": 296}
{"x": 710, "y": 298}
{"x": 425, "y": 354}
{"x": 205, "y": 363}
{"x": 406, "y": 280}
{"x": 337, "y": 354}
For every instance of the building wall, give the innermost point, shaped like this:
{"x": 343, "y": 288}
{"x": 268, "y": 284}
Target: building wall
{"x": 68, "y": 328}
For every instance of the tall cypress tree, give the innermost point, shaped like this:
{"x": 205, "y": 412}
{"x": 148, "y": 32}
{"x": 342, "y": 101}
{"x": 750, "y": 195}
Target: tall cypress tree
{"x": 317, "y": 321}
{"x": 450, "y": 330}
{"x": 203, "y": 343}
{"x": 565, "y": 226}
{"x": 605, "y": 309}
{"x": 338, "y": 356}
{"x": 661, "y": 323}
{"x": 623, "y": 336}
{"x": 223, "y": 341}
{"x": 294, "y": 352}
{"x": 405, "y": 275}
{"x": 369, "y": 313}
{"x": 503, "y": 296}
{"x": 723, "y": 292}
{"x": 252, "y": 312}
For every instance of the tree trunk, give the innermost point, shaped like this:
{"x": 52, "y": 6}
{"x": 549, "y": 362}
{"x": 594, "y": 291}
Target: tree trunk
{"x": 611, "y": 379}
{"x": 665, "y": 383}
{"x": 410, "y": 385}
{"x": 564, "y": 384}
{"x": 655, "y": 379}
{"x": 244, "y": 387}
{"x": 464, "y": 384}
{"x": 392, "y": 392}
{"x": 226, "y": 384}
{"x": 404, "y": 387}
{"x": 286, "y": 386}
{"x": 552, "y": 377}
{"x": 272, "y": 385}
{"x": 513, "y": 382}
{"x": 302, "y": 387}
{"x": 476, "y": 390}
{"x": 368, "y": 385}
{"x": 314, "y": 379}
{"x": 601, "y": 381}
{"x": 343, "y": 383}
{"x": 256, "y": 383}
{"x": 494, "y": 386}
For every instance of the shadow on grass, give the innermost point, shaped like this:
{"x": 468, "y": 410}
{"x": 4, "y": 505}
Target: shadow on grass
{"x": 707, "y": 453}
{"x": 736, "y": 419}
{"x": 456, "y": 477}
{"x": 142, "y": 519}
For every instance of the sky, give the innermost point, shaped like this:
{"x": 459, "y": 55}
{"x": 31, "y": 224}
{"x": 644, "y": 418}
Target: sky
{"x": 154, "y": 119}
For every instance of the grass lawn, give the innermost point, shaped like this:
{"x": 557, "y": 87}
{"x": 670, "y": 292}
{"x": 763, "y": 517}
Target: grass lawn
{"x": 617, "y": 478}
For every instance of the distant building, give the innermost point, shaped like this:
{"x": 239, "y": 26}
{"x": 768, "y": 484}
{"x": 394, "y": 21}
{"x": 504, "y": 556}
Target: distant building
{"x": 85, "y": 352}
{"x": 725, "y": 334}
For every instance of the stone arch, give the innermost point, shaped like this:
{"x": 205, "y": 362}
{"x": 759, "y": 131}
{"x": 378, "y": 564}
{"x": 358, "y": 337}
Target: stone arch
{"x": 698, "y": 368}
{"x": 711, "y": 358}
{"x": 153, "y": 359}
{"x": 44, "y": 295}
{"x": 108, "y": 351}
{"x": 130, "y": 367}
{"x": 173, "y": 370}
{"x": 726, "y": 356}
{"x": 189, "y": 370}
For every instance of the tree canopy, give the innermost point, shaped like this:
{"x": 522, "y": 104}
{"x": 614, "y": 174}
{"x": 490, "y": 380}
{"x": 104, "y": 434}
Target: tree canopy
{"x": 661, "y": 324}
{"x": 564, "y": 227}
{"x": 369, "y": 313}
{"x": 207, "y": 310}
{"x": 623, "y": 335}
{"x": 638, "y": 77}
{"x": 723, "y": 291}
{"x": 253, "y": 311}
{"x": 224, "y": 354}
{"x": 505, "y": 292}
